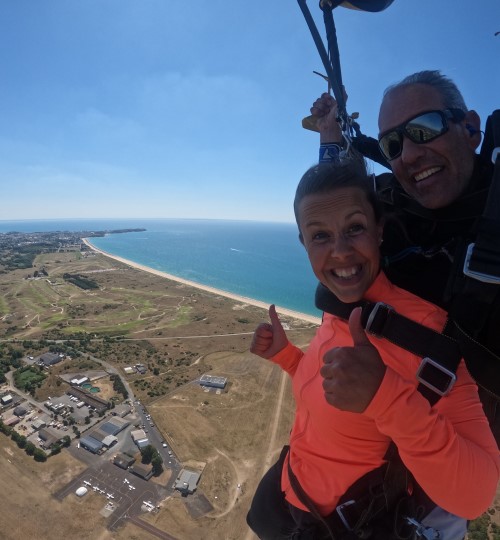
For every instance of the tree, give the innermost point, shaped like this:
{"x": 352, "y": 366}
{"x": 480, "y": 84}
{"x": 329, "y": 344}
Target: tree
{"x": 39, "y": 455}
{"x": 148, "y": 453}
{"x": 157, "y": 461}
{"x": 30, "y": 448}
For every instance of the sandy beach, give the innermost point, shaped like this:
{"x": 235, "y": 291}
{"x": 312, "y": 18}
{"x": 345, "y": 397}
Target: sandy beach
{"x": 242, "y": 299}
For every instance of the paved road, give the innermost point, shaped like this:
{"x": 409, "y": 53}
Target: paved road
{"x": 151, "y": 529}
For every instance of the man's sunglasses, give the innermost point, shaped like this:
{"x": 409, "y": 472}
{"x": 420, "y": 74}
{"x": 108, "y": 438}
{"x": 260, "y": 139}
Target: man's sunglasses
{"x": 420, "y": 129}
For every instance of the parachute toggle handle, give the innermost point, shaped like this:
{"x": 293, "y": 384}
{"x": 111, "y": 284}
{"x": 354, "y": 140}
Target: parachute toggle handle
{"x": 310, "y": 122}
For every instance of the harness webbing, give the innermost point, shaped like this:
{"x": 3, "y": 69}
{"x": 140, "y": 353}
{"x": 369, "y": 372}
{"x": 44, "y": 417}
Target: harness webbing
{"x": 382, "y": 321}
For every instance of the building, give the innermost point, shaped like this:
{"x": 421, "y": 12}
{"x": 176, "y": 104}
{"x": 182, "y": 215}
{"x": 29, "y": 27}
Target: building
{"x": 129, "y": 370}
{"x": 12, "y": 421}
{"x": 91, "y": 444}
{"x": 92, "y": 401}
{"x": 81, "y": 491}
{"x": 49, "y": 359}
{"x": 80, "y": 381}
{"x": 109, "y": 441}
{"x": 5, "y": 400}
{"x": 38, "y": 424}
{"x": 144, "y": 471}
{"x": 47, "y": 437}
{"x": 123, "y": 461}
{"x": 187, "y": 482}
{"x": 20, "y": 411}
{"x": 140, "y": 438}
{"x": 213, "y": 382}
{"x": 114, "y": 425}
{"x": 121, "y": 410}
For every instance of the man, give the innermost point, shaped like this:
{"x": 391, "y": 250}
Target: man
{"x": 435, "y": 195}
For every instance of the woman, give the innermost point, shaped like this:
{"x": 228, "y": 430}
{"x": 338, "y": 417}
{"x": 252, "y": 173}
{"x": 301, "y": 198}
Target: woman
{"x": 356, "y": 393}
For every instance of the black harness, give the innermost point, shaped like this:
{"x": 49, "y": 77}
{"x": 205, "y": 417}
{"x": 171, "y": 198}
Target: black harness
{"x": 440, "y": 354}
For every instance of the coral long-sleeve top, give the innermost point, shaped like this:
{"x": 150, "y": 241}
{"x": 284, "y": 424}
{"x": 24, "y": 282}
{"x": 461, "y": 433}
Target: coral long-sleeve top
{"x": 449, "y": 447}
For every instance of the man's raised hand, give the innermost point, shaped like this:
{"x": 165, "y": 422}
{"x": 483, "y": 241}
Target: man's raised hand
{"x": 269, "y": 339}
{"x": 352, "y": 375}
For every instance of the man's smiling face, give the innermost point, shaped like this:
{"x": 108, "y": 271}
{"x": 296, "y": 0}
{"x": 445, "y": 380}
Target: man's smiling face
{"x": 435, "y": 173}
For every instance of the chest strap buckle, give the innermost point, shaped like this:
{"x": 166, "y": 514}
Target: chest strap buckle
{"x": 436, "y": 377}
{"x": 378, "y": 318}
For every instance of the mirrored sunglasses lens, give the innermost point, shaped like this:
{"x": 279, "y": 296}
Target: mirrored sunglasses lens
{"x": 425, "y": 128}
{"x": 390, "y": 145}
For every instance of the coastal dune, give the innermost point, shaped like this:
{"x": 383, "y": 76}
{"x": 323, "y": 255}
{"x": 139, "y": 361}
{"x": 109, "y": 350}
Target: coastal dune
{"x": 206, "y": 288}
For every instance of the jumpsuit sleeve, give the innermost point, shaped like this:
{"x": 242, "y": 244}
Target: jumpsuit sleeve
{"x": 288, "y": 358}
{"x": 449, "y": 448}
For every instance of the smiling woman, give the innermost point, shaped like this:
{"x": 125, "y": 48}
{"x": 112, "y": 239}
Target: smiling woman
{"x": 356, "y": 394}
{"x": 340, "y": 229}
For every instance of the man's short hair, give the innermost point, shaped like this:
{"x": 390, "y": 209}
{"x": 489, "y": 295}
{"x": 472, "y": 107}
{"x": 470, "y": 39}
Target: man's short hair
{"x": 452, "y": 97}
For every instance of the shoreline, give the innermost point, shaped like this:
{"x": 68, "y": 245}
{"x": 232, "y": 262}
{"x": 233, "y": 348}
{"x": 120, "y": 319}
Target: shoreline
{"x": 206, "y": 288}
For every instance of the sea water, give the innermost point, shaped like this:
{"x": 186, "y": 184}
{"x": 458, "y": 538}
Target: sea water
{"x": 263, "y": 261}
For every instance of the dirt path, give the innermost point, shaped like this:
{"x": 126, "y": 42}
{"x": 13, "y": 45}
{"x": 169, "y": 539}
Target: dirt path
{"x": 271, "y": 450}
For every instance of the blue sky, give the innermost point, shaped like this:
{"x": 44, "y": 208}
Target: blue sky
{"x": 169, "y": 108}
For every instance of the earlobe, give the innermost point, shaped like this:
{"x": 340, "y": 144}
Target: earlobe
{"x": 473, "y": 127}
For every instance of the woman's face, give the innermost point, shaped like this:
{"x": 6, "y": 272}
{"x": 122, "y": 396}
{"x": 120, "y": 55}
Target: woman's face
{"x": 342, "y": 239}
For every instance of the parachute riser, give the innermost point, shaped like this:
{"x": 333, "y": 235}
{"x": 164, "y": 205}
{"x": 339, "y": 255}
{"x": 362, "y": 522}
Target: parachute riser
{"x": 334, "y": 81}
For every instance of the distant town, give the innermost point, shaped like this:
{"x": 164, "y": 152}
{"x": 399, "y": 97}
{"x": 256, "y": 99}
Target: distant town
{"x": 18, "y": 249}
{"x": 112, "y": 436}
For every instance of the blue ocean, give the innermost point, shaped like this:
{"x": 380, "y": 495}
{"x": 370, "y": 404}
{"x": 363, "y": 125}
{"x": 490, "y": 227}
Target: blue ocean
{"x": 264, "y": 261}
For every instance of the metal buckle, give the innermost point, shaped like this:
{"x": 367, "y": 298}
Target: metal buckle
{"x": 343, "y": 518}
{"x": 427, "y": 533}
{"x": 373, "y": 314}
{"x": 480, "y": 276}
{"x": 421, "y": 376}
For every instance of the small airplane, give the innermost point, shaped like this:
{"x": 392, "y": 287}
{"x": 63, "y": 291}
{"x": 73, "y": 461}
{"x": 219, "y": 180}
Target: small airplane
{"x": 87, "y": 483}
{"x": 125, "y": 481}
{"x": 131, "y": 486}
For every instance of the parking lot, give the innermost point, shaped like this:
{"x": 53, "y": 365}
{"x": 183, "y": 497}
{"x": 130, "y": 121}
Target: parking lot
{"x": 121, "y": 490}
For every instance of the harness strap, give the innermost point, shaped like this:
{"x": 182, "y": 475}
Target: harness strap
{"x": 359, "y": 505}
{"x": 377, "y": 505}
{"x": 441, "y": 353}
